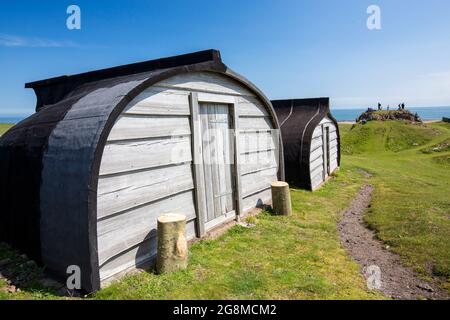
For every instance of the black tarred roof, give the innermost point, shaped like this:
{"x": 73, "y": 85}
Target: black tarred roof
{"x": 50, "y": 91}
{"x": 298, "y": 118}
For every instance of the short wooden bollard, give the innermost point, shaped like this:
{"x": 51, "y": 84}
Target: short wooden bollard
{"x": 172, "y": 245}
{"x": 281, "y": 198}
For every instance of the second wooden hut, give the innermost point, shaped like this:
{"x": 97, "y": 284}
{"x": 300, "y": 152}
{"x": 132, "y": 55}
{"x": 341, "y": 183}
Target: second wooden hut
{"x": 311, "y": 141}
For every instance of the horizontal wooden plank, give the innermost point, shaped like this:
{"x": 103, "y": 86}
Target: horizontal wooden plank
{"x": 159, "y": 101}
{"x": 333, "y": 135}
{"x": 250, "y": 123}
{"x": 223, "y": 219}
{"x": 326, "y": 120}
{"x": 331, "y": 128}
{"x": 254, "y": 182}
{"x": 260, "y": 168}
{"x": 126, "y": 191}
{"x": 205, "y": 97}
{"x": 316, "y": 143}
{"x": 134, "y": 257}
{"x": 316, "y": 140}
{"x": 316, "y": 171}
{"x": 251, "y": 162}
{"x": 252, "y": 106}
{"x": 141, "y": 127}
{"x": 316, "y": 154}
{"x": 206, "y": 82}
{"x": 317, "y": 133}
{"x": 316, "y": 181}
{"x": 333, "y": 143}
{"x": 118, "y": 233}
{"x": 257, "y": 200}
{"x": 137, "y": 255}
{"x": 256, "y": 141}
{"x": 129, "y": 155}
{"x": 333, "y": 166}
{"x": 316, "y": 163}
{"x": 333, "y": 151}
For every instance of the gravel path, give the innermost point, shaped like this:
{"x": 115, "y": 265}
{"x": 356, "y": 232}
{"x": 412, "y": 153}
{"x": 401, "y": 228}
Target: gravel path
{"x": 382, "y": 268}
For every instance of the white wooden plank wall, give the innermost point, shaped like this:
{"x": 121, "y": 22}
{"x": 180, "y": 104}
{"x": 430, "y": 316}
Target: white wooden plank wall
{"x": 146, "y": 169}
{"x": 259, "y": 150}
{"x": 316, "y": 165}
{"x": 333, "y": 147}
{"x": 317, "y": 156}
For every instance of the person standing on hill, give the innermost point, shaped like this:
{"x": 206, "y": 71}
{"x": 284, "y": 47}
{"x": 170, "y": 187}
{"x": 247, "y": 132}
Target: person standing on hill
{"x": 403, "y": 106}
{"x": 379, "y": 106}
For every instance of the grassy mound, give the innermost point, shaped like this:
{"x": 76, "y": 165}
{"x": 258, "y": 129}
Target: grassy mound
{"x": 297, "y": 257}
{"x": 443, "y": 146}
{"x": 411, "y": 208}
{"x": 443, "y": 160}
{"x": 387, "y": 136}
{"x": 384, "y": 115}
{"x": 300, "y": 257}
{"x": 5, "y": 127}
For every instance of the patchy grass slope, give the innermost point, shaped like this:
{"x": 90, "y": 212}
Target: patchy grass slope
{"x": 411, "y": 205}
{"x": 297, "y": 257}
{"x": 384, "y": 136}
{"x": 19, "y": 267}
{"x": 300, "y": 257}
{"x": 5, "y": 127}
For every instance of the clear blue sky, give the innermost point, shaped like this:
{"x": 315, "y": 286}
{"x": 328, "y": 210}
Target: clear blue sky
{"x": 295, "y": 48}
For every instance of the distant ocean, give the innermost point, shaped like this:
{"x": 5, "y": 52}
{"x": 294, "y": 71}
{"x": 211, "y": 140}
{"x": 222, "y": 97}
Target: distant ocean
{"x": 10, "y": 119}
{"x": 430, "y": 113}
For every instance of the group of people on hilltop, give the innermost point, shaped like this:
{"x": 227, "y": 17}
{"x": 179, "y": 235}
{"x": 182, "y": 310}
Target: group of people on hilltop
{"x": 400, "y": 107}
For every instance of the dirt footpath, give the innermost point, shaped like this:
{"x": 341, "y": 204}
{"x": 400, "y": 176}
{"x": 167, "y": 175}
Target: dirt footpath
{"x": 382, "y": 268}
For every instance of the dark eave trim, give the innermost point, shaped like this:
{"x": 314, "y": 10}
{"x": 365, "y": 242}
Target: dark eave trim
{"x": 146, "y": 66}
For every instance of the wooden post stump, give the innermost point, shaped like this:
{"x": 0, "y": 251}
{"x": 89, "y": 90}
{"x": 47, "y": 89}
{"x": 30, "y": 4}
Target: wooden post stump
{"x": 281, "y": 198}
{"x": 172, "y": 245}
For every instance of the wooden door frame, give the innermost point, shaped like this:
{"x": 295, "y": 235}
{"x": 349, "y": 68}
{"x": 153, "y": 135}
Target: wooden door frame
{"x": 325, "y": 155}
{"x": 326, "y": 151}
{"x": 197, "y": 155}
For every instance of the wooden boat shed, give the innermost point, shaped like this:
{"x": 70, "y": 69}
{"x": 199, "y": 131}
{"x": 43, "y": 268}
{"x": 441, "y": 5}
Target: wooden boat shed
{"x": 311, "y": 141}
{"x": 83, "y": 180}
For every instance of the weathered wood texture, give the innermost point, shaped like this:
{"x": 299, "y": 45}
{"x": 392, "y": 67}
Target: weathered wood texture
{"x": 318, "y": 155}
{"x": 147, "y": 166}
{"x": 197, "y": 167}
{"x": 281, "y": 198}
{"x": 172, "y": 245}
{"x": 217, "y": 159}
{"x": 259, "y": 151}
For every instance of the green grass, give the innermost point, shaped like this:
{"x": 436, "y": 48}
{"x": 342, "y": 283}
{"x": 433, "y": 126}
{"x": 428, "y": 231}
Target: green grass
{"x": 443, "y": 146}
{"x": 411, "y": 205}
{"x": 20, "y": 267}
{"x": 300, "y": 257}
{"x": 296, "y": 257}
{"x": 381, "y": 137}
{"x": 5, "y": 127}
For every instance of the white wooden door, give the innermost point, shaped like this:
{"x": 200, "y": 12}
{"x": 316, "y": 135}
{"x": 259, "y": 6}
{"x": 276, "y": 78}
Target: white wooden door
{"x": 218, "y": 161}
{"x": 326, "y": 151}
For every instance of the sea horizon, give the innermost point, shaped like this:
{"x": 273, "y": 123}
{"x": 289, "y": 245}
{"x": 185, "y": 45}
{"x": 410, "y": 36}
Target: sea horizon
{"x": 425, "y": 113}
{"x": 341, "y": 114}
